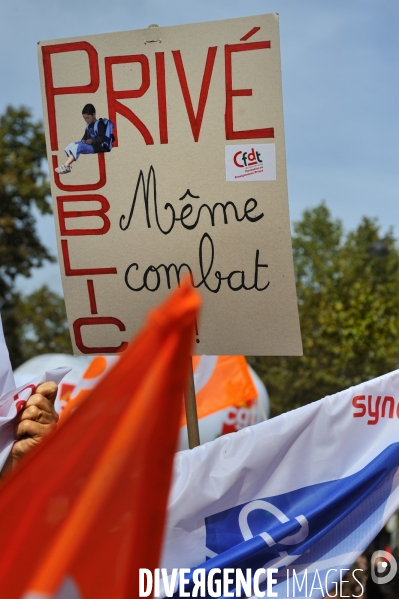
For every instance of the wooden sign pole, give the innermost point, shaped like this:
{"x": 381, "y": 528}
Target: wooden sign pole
{"x": 191, "y": 411}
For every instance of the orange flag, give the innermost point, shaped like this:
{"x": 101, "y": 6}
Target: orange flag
{"x": 221, "y": 382}
{"x": 87, "y": 510}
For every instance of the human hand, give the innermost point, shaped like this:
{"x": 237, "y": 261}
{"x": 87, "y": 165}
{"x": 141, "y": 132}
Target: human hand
{"x": 37, "y": 420}
{"x": 88, "y": 141}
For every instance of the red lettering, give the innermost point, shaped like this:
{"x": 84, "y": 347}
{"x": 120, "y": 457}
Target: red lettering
{"x": 24, "y": 389}
{"x": 391, "y": 401}
{"x": 92, "y": 296}
{"x": 81, "y": 272}
{"x": 251, "y": 156}
{"x": 95, "y": 321}
{"x": 52, "y": 91}
{"x": 113, "y": 95}
{"x": 161, "y": 89}
{"x": 195, "y": 119}
{"x": 99, "y": 212}
{"x": 235, "y": 159}
{"x": 82, "y": 187}
{"x": 250, "y": 33}
{"x": 19, "y": 405}
{"x": 358, "y": 406}
{"x": 374, "y": 414}
{"x": 231, "y": 93}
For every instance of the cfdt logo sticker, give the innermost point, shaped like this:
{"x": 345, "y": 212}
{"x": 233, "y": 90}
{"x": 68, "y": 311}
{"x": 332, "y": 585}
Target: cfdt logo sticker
{"x": 256, "y": 162}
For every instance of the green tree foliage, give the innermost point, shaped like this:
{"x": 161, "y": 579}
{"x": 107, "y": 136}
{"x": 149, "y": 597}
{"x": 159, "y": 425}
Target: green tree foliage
{"x": 348, "y": 294}
{"x": 42, "y": 324}
{"x": 23, "y": 187}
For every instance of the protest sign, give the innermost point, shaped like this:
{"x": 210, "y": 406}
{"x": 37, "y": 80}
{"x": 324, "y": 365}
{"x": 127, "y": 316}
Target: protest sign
{"x": 195, "y": 183}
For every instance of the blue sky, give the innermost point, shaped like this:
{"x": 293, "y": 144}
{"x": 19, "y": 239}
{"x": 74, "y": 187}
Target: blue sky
{"x": 340, "y": 69}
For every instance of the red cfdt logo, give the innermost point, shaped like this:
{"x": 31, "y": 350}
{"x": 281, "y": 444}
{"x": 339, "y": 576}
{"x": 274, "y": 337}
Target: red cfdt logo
{"x": 243, "y": 159}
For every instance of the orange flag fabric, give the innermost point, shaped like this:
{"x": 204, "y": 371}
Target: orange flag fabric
{"x": 221, "y": 382}
{"x": 87, "y": 509}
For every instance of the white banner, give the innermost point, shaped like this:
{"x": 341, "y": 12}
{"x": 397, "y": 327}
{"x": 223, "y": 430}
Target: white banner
{"x": 304, "y": 493}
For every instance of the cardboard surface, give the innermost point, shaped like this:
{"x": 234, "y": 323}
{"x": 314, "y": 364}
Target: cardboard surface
{"x": 195, "y": 106}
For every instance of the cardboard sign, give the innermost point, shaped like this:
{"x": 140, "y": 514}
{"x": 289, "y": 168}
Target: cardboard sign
{"x": 195, "y": 183}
